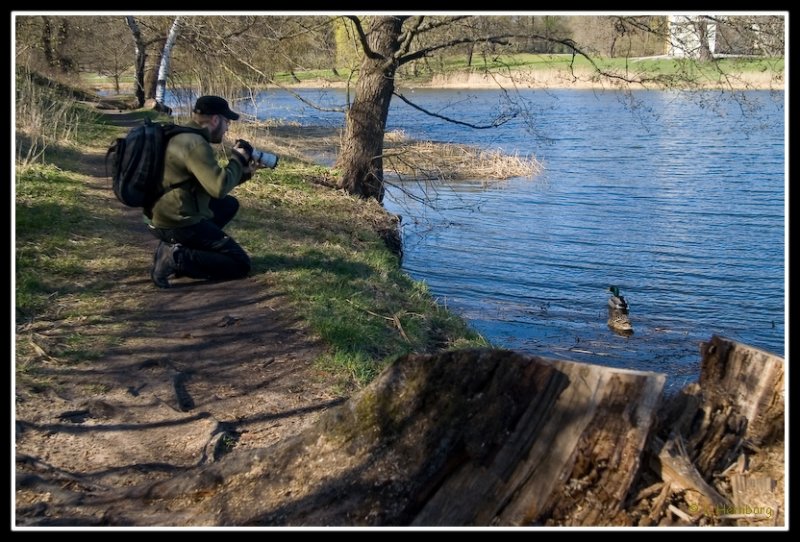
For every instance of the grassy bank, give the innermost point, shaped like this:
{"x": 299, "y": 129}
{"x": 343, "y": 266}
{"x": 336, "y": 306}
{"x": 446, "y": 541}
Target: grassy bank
{"x": 76, "y": 250}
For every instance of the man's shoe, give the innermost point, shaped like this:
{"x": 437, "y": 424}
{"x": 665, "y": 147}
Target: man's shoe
{"x": 163, "y": 264}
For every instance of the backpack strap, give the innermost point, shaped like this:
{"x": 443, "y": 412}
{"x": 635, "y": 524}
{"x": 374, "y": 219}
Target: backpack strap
{"x": 171, "y": 130}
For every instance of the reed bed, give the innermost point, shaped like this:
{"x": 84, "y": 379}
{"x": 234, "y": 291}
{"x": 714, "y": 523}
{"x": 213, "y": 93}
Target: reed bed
{"x": 428, "y": 160}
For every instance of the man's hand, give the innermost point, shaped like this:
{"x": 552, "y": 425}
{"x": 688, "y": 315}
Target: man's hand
{"x": 243, "y": 149}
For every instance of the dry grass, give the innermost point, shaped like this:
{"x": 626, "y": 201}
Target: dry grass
{"x": 413, "y": 160}
{"x": 43, "y": 117}
{"x": 427, "y": 160}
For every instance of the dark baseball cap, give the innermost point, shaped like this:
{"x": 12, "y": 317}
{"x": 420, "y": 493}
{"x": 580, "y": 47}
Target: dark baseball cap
{"x": 214, "y": 105}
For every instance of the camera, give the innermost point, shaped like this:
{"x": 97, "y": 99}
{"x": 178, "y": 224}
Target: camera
{"x": 264, "y": 158}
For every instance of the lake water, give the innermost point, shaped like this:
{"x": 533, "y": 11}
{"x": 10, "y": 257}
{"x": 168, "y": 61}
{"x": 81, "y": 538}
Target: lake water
{"x": 677, "y": 198}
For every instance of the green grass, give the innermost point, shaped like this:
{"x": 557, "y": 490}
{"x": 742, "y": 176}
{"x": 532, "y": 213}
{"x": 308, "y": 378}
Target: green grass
{"x": 70, "y": 252}
{"x": 48, "y": 209}
{"x": 550, "y": 61}
{"x": 71, "y": 247}
{"x": 564, "y": 61}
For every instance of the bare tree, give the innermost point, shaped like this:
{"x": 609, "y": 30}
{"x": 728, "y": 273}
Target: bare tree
{"x": 47, "y": 41}
{"x": 104, "y": 48}
{"x": 386, "y": 44}
{"x": 750, "y": 35}
{"x": 236, "y": 56}
{"x": 140, "y": 48}
{"x": 691, "y": 36}
{"x": 147, "y": 33}
{"x": 706, "y": 33}
{"x": 362, "y": 146}
{"x": 154, "y": 31}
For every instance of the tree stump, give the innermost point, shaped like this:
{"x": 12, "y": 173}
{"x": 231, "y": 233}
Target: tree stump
{"x": 476, "y": 437}
{"x": 739, "y": 399}
{"x": 703, "y": 433}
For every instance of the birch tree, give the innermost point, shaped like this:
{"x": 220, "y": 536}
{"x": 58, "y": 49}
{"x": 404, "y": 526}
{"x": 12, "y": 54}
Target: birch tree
{"x": 163, "y": 70}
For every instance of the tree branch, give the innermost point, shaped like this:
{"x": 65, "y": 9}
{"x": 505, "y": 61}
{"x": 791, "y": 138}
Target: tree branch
{"x": 287, "y": 89}
{"x": 236, "y": 32}
{"x": 499, "y": 121}
{"x": 407, "y": 37}
{"x": 436, "y": 24}
{"x": 362, "y": 37}
{"x": 452, "y": 43}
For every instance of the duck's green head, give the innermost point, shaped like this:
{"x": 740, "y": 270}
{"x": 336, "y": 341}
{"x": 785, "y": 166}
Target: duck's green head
{"x": 614, "y": 290}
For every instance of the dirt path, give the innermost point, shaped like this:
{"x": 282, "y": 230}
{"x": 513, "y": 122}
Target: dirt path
{"x": 197, "y": 370}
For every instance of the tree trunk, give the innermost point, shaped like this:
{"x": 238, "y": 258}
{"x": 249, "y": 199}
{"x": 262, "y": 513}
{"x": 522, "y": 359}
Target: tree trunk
{"x": 163, "y": 70}
{"x": 735, "y": 410}
{"x": 54, "y": 48}
{"x": 739, "y": 398}
{"x": 704, "y": 51}
{"x": 361, "y": 155}
{"x": 65, "y": 63}
{"x": 151, "y": 76}
{"x": 47, "y": 42}
{"x": 141, "y": 58}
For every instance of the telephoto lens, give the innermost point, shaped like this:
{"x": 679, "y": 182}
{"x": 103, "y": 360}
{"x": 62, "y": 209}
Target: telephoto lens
{"x": 264, "y": 159}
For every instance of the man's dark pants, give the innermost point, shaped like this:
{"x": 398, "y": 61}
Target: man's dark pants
{"x": 208, "y": 252}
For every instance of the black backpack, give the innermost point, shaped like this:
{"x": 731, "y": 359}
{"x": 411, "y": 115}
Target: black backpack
{"x": 137, "y": 163}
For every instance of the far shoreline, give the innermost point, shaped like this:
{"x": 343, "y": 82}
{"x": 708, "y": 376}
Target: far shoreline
{"x": 537, "y": 80}
{"x": 563, "y": 80}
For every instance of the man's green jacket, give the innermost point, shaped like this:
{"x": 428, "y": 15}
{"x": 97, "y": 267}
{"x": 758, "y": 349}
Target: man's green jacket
{"x": 190, "y": 157}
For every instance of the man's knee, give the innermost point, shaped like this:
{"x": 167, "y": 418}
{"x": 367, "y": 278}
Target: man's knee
{"x": 230, "y": 205}
{"x": 242, "y": 268}
{"x": 224, "y": 210}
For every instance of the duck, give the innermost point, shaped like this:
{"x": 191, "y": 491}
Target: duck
{"x": 616, "y": 301}
{"x": 618, "y": 319}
